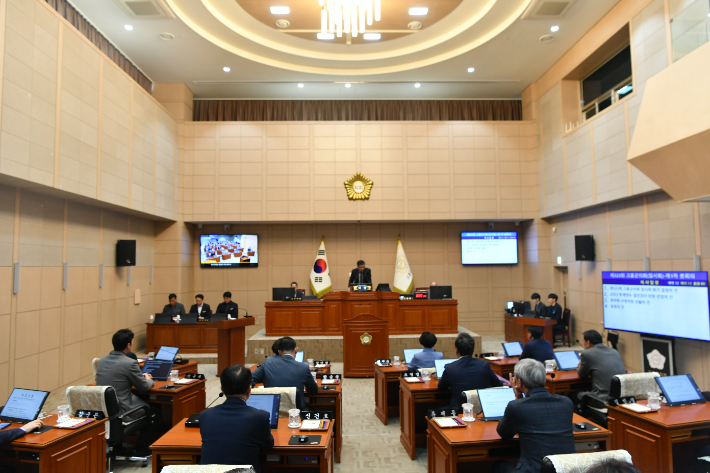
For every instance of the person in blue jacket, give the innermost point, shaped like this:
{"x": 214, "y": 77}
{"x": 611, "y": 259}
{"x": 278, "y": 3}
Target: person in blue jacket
{"x": 537, "y": 347}
{"x": 426, "y": 357}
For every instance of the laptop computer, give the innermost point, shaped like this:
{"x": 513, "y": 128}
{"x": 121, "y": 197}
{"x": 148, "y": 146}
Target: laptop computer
{"x": 299, "y": 357}
{"x": 494, "y": 401}
{"x": 409, "y": 354}
{"x": 189, "y": 319}
{"x": 167, "y": 353}
{"x": 158, "y": 369}
{"x": 23, "y": 405}
{"x": 512, "y": 349}
{"x": 680, "y": 390}
{"x": 440, "y": 366}
{"x": 269, "y": 403}
{"x": 163, "y": 318}
{"x": 566, "y": 360}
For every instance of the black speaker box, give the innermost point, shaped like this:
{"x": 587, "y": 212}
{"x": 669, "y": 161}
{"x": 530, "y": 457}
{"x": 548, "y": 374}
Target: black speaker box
{"x": 584, "y": 247}
{"x": 126, "y": 253}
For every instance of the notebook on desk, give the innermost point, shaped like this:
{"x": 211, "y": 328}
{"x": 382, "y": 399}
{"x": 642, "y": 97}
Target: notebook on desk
{"x": 269, "y": 403}
{"x": 440, "y": 366}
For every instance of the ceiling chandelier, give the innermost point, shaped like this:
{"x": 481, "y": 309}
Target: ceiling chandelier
{"x": 348, "y": 16}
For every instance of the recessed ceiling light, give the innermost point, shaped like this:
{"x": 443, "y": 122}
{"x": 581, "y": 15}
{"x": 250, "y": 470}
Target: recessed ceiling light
{"x": 555, "y": 29}
{"x": 300, "y": 86}
{"x": 166, "y": 36}
{"x": 417, "y": 85}
{"x": 471, "y": 69}
{"x": 226, "y": 69}
{"x": 348, "y": 85}
{"x": 372, "y": 36}
{"x": 414, "y": 25}
{"x": 282, "y": 23}
{"x": 128, "y": 27}
{"x": 418, "y": 11}
{"x": 280, "y": 10}
{"x": 546, "y": 38}
{"x": 325, "y": 36}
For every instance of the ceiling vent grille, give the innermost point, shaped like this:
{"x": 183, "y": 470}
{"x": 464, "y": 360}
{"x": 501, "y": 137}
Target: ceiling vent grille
{"x": 145, "y": 9}
{"x": 547, "y": 9}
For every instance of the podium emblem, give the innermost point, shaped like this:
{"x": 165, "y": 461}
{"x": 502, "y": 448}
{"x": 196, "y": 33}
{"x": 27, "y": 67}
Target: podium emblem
{"x": 358, "y": 187}
{"x": 365, "y": 338}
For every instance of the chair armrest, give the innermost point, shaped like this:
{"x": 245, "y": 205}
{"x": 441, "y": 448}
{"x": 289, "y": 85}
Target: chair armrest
{"x": 591, "y": 400}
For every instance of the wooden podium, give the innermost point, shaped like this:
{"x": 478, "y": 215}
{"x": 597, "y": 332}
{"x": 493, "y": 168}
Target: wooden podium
{"x": 365, "y": 339}
{"x": 516, "y": 328}
{"x": 230, "y": 342}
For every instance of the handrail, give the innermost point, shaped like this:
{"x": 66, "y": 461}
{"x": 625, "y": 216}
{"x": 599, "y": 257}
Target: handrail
{"x": 613, "y": 93}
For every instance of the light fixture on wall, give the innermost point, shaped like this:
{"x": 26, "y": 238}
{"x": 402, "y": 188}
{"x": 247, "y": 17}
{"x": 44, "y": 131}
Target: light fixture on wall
{"x": 417, "y": 85}
{"x": 348, "y": 16}
{"x": 348, "y": 85}
{"x": 300, "y": 86}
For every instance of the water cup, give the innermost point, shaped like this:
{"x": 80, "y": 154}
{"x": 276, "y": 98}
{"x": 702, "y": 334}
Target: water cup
{"x": 63, "y": 413}
{"x": 314, "y": 374}
{"x": 654, "y": 401}
{"x": 468, "y": 412}
{"x": 151, "y": 355}
{"x": 311, "y": 365}
{"x": 425, "y": 374}
{"x": 501, "y": 353}
{"x": 396, "y": 361}
{"x": 174, "y": 376}
{"x": 294, "y": 418}
{"x": 549, "y": 366}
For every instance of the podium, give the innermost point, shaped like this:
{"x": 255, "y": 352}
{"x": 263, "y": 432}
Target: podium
{"x": 516, "y": 328}
{"x": 365, "y": 339}
{"x": 231, "y": 340}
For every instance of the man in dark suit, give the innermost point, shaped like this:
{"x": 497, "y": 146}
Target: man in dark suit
{"x": 538, "y": 307}
{"x": 360, "y": 275}
{"x": 123, "y": 373}
{"x": 232, "y": 432}
{"x": 296, "y": 290}
{"x": 541, "y": 419}
{"x": 10, "y": 435}
{"x": 200, "y": 308}
{"x": 228, "y": 307}
{"x": 599, "y": 362}
{"x": 174, "y": 308}
{"x": 467, "y": 372}
{"x": 554, "y": 312}
{"x": 286, "y": 372}
{"x": 537, "y": 347}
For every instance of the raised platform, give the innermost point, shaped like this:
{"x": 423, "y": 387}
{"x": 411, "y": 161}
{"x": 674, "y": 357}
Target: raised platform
{"x": 331, "y": 347}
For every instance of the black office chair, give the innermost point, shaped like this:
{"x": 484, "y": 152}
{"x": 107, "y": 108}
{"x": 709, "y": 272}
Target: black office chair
{"x": 613, "y": 338}
{"x": 563, "y": 331}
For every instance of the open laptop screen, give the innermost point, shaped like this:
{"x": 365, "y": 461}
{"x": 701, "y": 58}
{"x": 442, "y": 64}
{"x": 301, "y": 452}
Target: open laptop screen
{"x": 409, "y": 354}
{"x": 440, "y": 366}
{"x": 158, "y": 369}
{"x": 167, "y": 353}
{"x": 567, "y": 360}
{"x": 494, "y": 401}
{"x": 269, "y": 403}
{"x": 680, "y": 389}
{"x": 513, "y": 348}
{"x": 299, "y": 357}
{"x": 24, "y": 405}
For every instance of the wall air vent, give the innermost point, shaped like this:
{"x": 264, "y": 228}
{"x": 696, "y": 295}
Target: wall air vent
{"x": 145, "y": 9}
{"x": 547, "y": 9}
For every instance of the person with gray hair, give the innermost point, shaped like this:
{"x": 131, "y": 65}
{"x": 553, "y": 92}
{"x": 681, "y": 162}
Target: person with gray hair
{"x": 541, "y": 419}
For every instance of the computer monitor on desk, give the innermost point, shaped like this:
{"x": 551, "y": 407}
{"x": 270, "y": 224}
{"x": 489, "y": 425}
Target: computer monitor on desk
{"x": 440, "y": 292}
{"x": 282, "y": 293}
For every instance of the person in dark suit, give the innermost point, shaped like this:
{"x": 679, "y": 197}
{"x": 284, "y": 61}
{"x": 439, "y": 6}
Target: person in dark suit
{"x": 599, "y": 362}
{"x": 10, "y": 435}
{"x": 360, "y": 275}
{"x": 286, "y": 372}
{"x": 202, "y": 310}
{"x": 228, "y": 306}
{"x": 537, "y": 347}
{"x": 296, "y": 290}
{"x": 467, "y": 372}
{"x": 538, "y": 307}
{"x": 232, "y": 432}
{"x": 542, "y": 420}
{"x": 174, "y": 308}
{"x": 123, "y": 373}
{"x": 554, "y": 312}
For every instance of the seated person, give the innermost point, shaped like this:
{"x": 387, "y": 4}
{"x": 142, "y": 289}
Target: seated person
{"x": 174, "y": 308}
{"x": 360, "y": 275}
{"x": 294, "y": 285}
{"x": 426, "y": 357}
{"x": 123, "y": 373}
{"x": 599, "y": 362}
{"x": 554, "y": 312}
{"x": 200, "y": 308}
{"x": 467, "y": 372}
{"x": 232, "y": 432}
{"x": 228, "y": 307}
{"x": 542, "y": 420}
{"x": 10, "y": 435}
{"x": 286, "y": 372}
{"x": 275, "y": 348}
{"x": 537, "y": 306}
{"x": 537, "y": 347}
{"x": 612, "y": 465}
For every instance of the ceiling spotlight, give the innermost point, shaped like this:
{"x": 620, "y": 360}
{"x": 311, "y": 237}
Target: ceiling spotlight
{"x": 417, "y": 85}
{"x": 546, "y": 38}
{"x": 128, "y": 27}
{"x": 348, "y": 85}
{"x": 418, "y": 11}
{"x": 372, "y": 36}
{"x": 166, "y": 36}
{"x": 300, "y": 86}
{"x": 280, "y": 10}
{"x": 471, "y": 69}
{"x": 555, "y": 29}
{"x": 325, "y": 36}
{"x": 226, "y": 69}
{"x": 282, "y": 23}
{"x": 414, "y": 25}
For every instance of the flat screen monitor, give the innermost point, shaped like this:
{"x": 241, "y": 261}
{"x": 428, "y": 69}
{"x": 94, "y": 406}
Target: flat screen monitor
{"x": 512, "y": 349}
{"x": 440, "y": 292}
{"x": 233, "y": 251}
{"x": 566, "y": 360}
{"x": 299, "y": 357}
{"x": 167, "y": 353}
{"x": 282, "y": 293}
{"x": 644, "y": 301}
{"x": 23, "y": 405}
{"x": 489, "y": 248}
{"x": 269, "y": 403}
{"x": 494, "y": 401}
{"x": 509, "y": 305}
{"x": 440, "y": 366}
{"x": 680, "y": 390}
{"x": 409, "y": 354}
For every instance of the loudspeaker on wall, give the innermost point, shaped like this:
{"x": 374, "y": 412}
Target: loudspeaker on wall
{"x": 126, "y": 253}
{"x": 584, "y": 248}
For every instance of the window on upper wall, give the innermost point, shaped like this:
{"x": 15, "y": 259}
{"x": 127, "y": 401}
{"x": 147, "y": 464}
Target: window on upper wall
{"x": 607, "y": 84}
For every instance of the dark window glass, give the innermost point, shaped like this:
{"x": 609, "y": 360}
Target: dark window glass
{"x": 608, "y": 76}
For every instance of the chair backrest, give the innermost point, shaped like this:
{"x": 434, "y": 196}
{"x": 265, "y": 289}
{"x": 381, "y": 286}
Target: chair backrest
{"x": 637, "y": 385}
{"x": 580, "y": 462}
{"x": 94, "y": 365}
{"x": 98, "y": 398}
{"x": 288, "y": 398}
{"x": 471, "y": 397}
{"x": 566, "y": 315}
{"x": 207, "y": 469}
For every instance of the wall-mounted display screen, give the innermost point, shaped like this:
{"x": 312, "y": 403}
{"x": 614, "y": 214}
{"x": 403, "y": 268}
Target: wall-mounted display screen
{"x": 229, "y": 251}
{"x": 674, "y": 304}
{"x": 489, "y": 248}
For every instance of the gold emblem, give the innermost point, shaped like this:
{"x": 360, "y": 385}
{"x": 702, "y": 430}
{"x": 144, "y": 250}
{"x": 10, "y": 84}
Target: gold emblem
{"x": 358, "y": 187}
{"x": 365, "y": 338}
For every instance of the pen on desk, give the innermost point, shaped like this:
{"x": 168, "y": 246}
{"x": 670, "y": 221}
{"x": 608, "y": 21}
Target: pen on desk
{"x": 456, "y": 419}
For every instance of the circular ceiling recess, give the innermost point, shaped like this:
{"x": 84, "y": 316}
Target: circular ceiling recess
{"x": 248, "y": 29}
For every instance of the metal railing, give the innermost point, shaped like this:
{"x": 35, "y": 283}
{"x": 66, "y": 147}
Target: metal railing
{"x": 690, "y": 28}
{"x": 618, "y": 92}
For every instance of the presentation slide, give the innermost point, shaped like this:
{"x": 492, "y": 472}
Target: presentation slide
{"x": 24, "y": 404}
{"x": 674, "y": 304}
{"x": 489, "y": 248}
{"x": 494, "y": 401}
{"x": 229, "y": 251}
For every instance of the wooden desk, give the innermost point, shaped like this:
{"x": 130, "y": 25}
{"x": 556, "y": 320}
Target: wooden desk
{"x": 182, "y": 445}
{"x": 387, "y": 391}
{"x": 176, "y": 404}
{"x": 480, "y": 442}
{"x": 567, "y": 381}
{"x": 503, "y": 367}
{"x": 188, "y": 368}
{"x": 414, "y": 400}
{"x": 58, "y": 450}
{"x": 190, "y": 338}
{"x": 663, "y": 441}
{"x": 516, "y": 328}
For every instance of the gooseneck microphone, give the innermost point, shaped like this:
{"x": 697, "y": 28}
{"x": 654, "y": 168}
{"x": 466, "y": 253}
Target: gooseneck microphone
{"x": 215, "y": 400}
